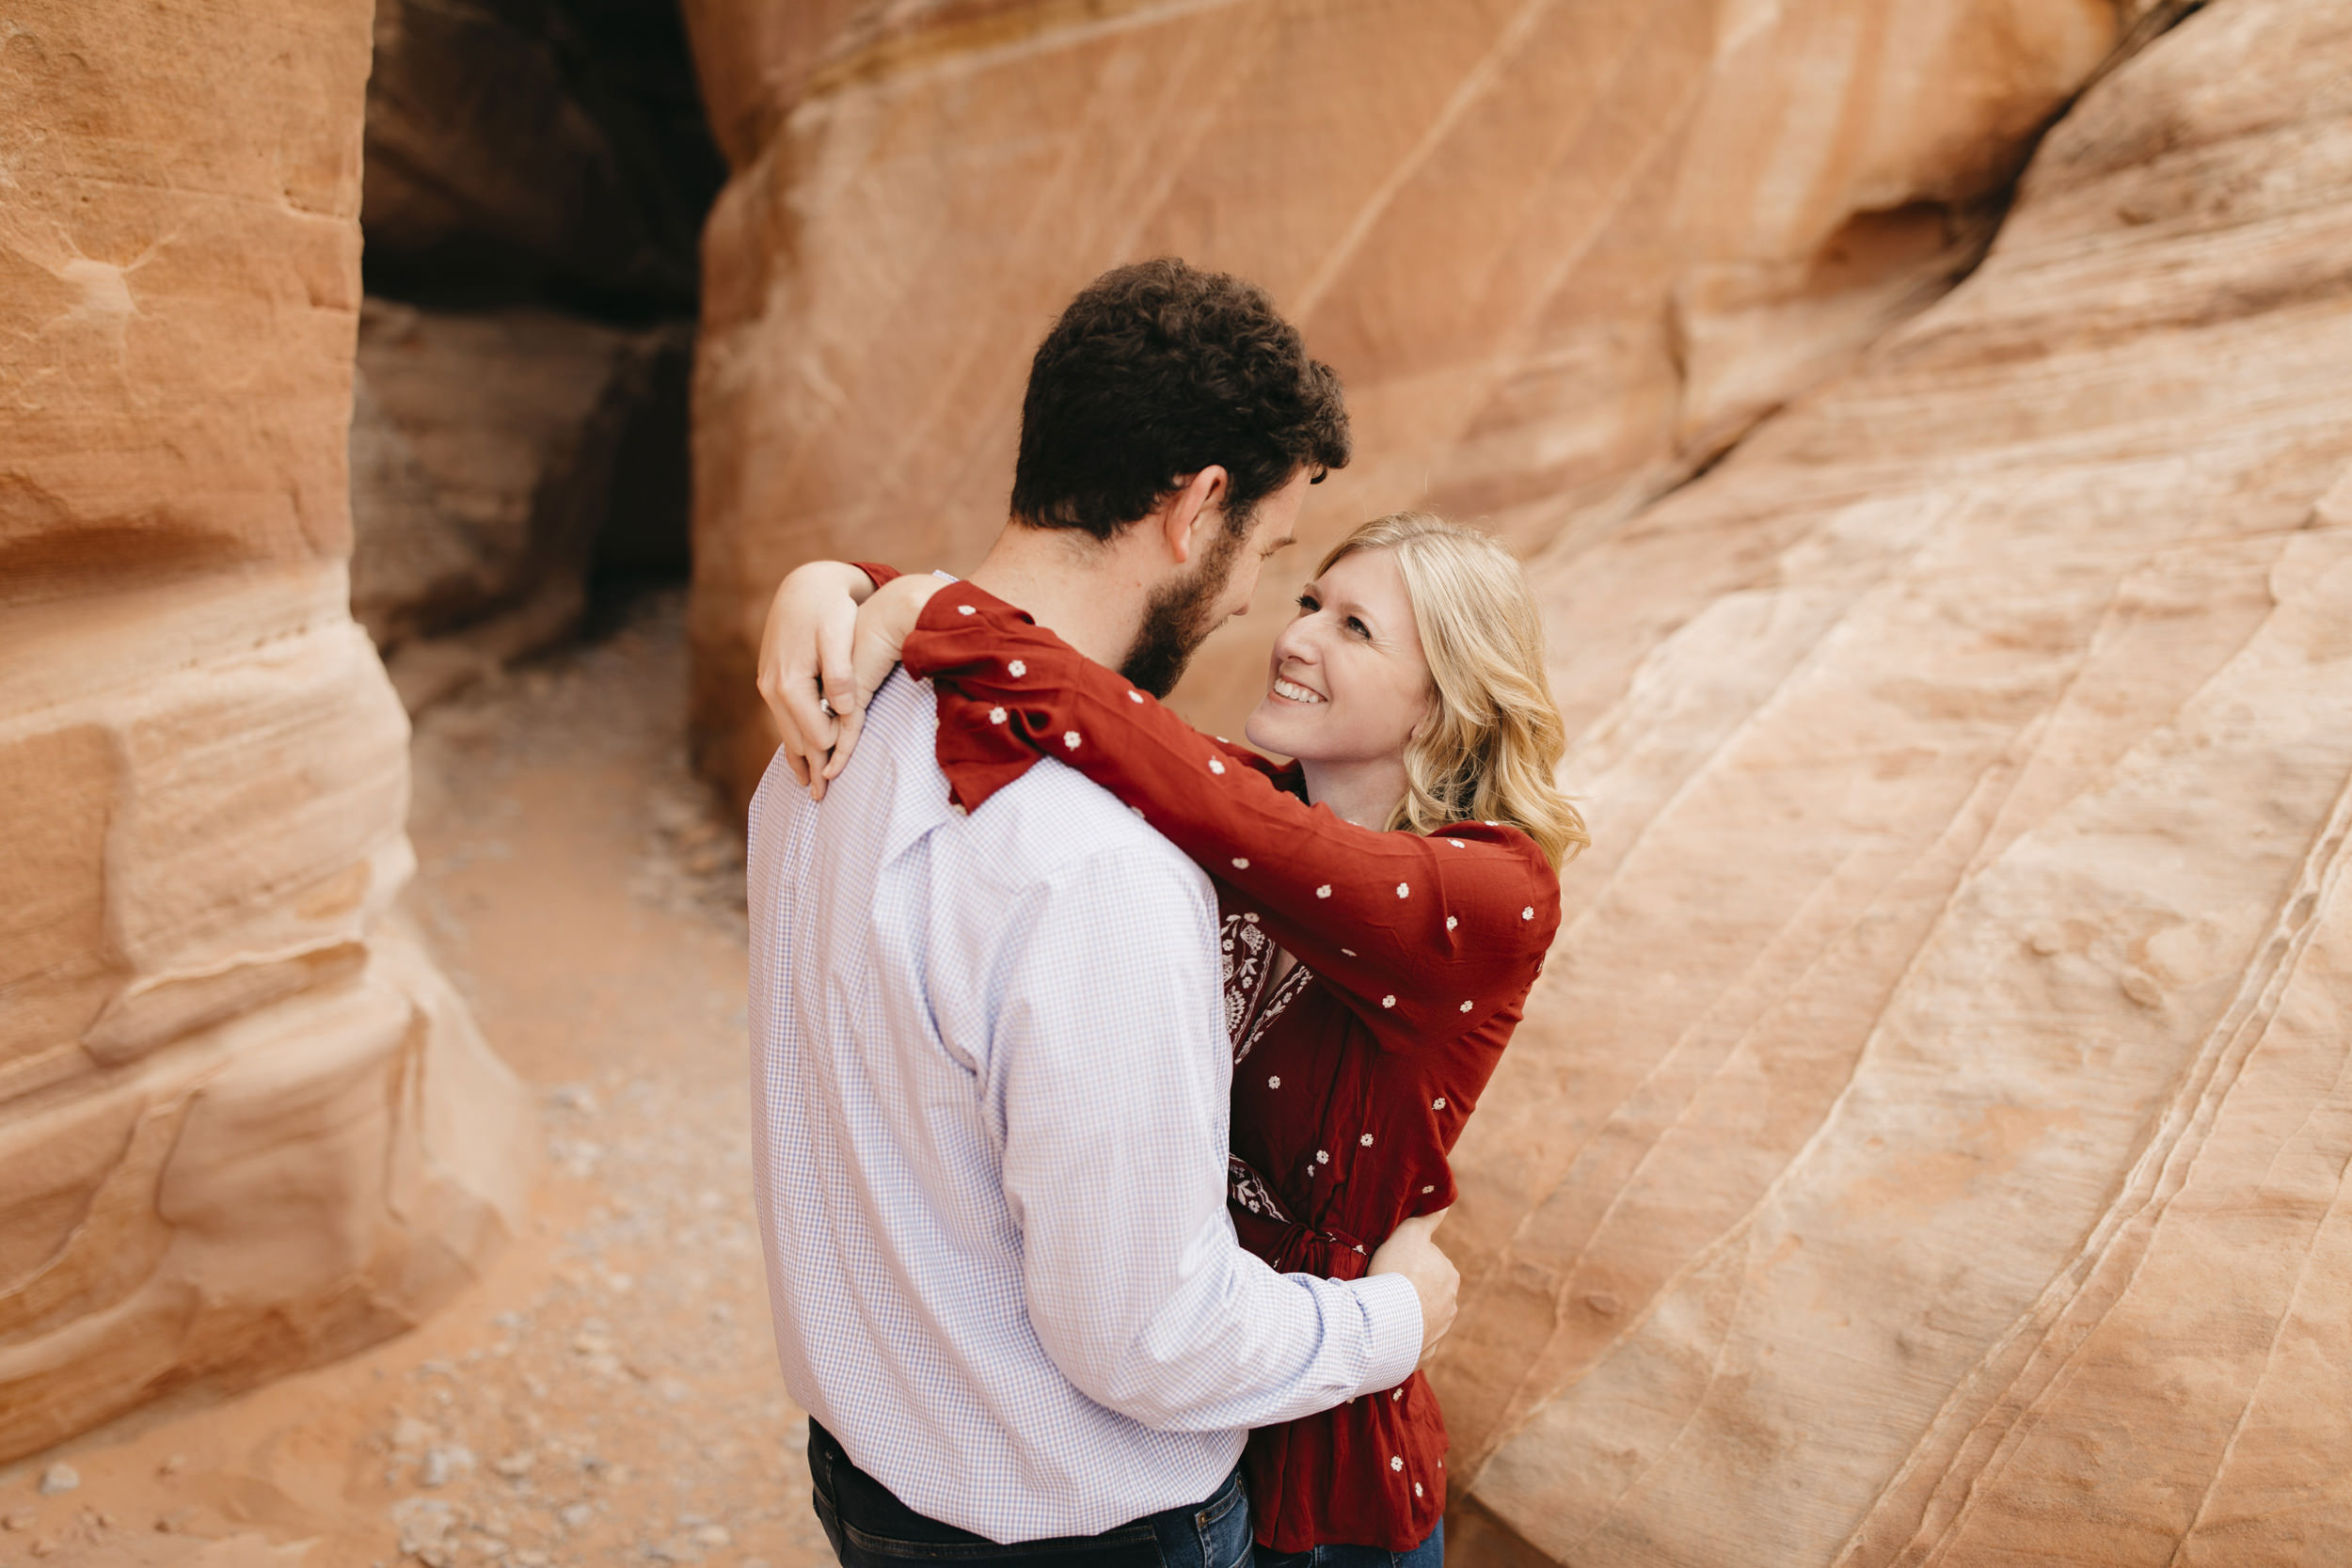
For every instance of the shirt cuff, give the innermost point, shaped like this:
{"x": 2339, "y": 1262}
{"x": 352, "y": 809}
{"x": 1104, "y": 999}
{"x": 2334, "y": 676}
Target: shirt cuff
{"x": 1392, "y": 1309}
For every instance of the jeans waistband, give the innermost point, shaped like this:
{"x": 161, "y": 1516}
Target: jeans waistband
{"x": 871, "y": 1526}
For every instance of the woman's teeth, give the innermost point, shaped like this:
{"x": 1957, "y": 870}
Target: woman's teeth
{"x": 1294, "y": 692}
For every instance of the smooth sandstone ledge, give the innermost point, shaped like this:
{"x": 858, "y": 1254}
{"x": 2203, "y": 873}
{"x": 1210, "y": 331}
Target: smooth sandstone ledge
{"x": 273, "y": 1192}
{"x": 205, "y": 815}
{"x": 247, "y": 1126}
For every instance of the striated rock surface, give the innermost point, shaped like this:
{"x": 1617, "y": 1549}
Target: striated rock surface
{"x": 496, "y": 455}
{"x": 1562, "y": 253}
{"x": 1928, "y": 1144}
{"x": 244, "y": 1125}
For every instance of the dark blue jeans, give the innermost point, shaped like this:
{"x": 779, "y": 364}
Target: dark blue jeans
{"x": 871, "y": 1529}
{"x": 1429, "y": 1554}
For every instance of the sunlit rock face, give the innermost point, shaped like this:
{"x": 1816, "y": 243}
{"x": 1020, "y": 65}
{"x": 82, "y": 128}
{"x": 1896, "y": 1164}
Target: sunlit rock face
{"x": 1562, "y": 254}
{"x": 242, "y": 1124}
{"x": 1928, "y": 1144}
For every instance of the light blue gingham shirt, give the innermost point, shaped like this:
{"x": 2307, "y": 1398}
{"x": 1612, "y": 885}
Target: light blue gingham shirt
{"x": 990, "y": 1075}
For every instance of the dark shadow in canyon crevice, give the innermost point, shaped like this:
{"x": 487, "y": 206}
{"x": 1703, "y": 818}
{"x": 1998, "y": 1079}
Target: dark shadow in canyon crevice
{"x": 537, "y": 173}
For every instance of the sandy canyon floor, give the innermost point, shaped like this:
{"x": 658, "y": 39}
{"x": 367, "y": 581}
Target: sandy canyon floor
{"x": 608, "y": 1392}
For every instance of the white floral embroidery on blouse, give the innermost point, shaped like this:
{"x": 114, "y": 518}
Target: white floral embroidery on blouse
{"x": 1249, "y": 1190}
{"x": 1284, "y": 993}
{"x": 1243, "y": 948}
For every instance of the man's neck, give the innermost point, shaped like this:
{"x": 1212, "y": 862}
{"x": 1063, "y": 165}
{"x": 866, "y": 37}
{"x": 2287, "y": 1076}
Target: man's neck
{"x": 1090, "y": 595}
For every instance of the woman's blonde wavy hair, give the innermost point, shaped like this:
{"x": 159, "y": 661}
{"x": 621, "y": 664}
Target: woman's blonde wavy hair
{"x": 1493, "y": 740}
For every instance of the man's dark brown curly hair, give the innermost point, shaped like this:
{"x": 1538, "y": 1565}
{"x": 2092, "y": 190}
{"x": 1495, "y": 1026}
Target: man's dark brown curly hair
{"x": 1155, "y": 372}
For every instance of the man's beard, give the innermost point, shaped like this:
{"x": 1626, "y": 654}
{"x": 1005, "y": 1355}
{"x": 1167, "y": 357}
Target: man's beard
{"x": 1178, "y": 618}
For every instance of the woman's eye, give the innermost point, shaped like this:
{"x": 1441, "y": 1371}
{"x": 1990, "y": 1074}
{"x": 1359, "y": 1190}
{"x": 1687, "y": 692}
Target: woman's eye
{"x": 1358, "y": 629}
{"x": 1307, "y": 604}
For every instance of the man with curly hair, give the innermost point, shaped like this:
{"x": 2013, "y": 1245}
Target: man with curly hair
{"x": 990, "y": 1065}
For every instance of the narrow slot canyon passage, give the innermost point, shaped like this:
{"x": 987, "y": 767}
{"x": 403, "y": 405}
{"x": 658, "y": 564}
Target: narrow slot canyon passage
{"x": 536, "y": 176}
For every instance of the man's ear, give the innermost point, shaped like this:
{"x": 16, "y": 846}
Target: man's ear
{"x": 1195, "y": 514}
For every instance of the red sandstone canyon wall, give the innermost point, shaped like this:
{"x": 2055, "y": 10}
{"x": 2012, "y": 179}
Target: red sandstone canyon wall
{"x": 243, "y": 1124}
{"x": 1562, "y": 252}
{"x": 1928, "y": 1143}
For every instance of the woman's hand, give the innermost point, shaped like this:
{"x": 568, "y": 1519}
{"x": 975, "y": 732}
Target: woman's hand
{"x": 804, "y": 661}
{"x": 884, "y": 621}
{"x": 821, "y": 656}
{"x": 1412, "y": 1251}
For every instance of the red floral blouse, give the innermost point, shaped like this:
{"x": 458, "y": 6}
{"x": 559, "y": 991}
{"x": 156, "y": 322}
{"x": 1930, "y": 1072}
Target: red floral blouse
{"x": 1354, "y": 1071}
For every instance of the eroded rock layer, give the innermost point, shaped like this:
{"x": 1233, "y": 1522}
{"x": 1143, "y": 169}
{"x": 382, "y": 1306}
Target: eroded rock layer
{"x": 1928, "y": 1144}
{"x": 244, "y": 1125}
{"x": 1563, "y": 251}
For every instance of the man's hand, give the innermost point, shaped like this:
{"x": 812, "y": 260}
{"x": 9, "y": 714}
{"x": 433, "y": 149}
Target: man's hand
{"x": 1411, "y": 1250}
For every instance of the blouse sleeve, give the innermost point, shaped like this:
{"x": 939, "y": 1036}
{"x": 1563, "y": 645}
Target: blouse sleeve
{"x": 1423, "y": 937}
{"x": 876, "y": 570}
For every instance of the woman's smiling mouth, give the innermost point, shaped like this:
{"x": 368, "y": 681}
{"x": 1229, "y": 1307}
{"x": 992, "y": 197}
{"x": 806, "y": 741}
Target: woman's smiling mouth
{"x": 1294, "y": 692}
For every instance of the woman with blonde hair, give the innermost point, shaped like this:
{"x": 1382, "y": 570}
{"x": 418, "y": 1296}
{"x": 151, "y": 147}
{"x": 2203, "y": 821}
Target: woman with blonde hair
{"x": 1385, "y": 900}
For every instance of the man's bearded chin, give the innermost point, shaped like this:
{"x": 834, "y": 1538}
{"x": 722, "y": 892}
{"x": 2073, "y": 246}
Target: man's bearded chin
{"x": 1178, "y": 617}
